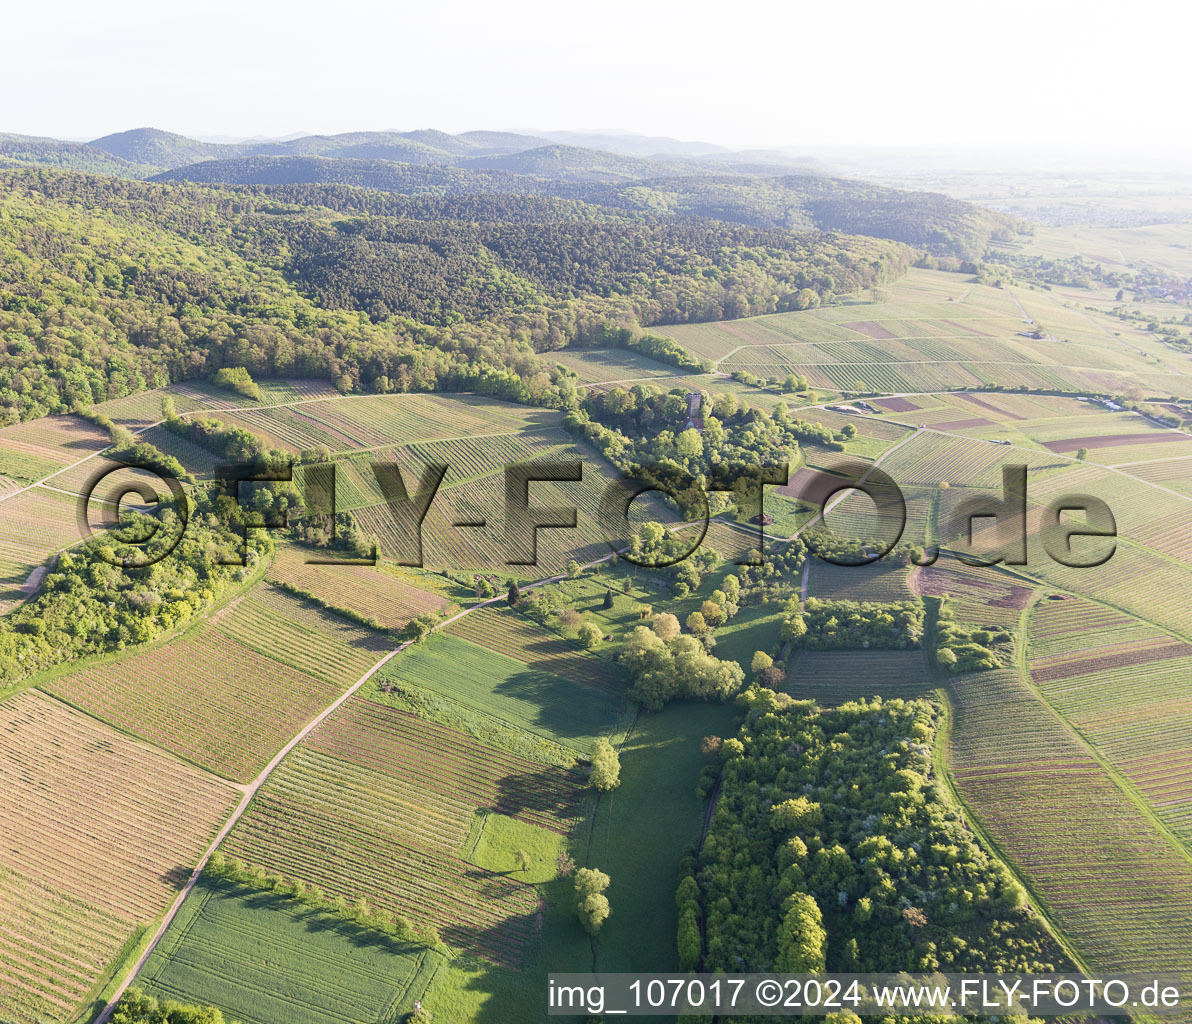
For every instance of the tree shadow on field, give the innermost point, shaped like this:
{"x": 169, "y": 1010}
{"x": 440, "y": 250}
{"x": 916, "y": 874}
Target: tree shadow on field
{"x": 313, "y": 919}
{"x": 553, "y": 792}
{"x": 556, "y": 702}
{"x": 177, "y": 876}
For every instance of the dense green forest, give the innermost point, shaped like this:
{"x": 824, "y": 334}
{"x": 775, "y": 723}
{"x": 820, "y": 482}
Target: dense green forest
{"x": 834, "y": 846}
{"x": 945, "y": 226}
{"x": 111, "y": 286}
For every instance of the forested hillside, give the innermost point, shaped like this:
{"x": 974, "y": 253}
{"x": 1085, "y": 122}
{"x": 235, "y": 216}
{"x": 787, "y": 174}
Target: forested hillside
{"x": 756, "y": 190}
{"x": 70, "y": 156}
{"x": 111, "y": 286}
{"x": 798, "y": 202}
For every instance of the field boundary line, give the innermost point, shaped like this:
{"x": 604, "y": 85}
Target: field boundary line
{"x": 250, "y": 790}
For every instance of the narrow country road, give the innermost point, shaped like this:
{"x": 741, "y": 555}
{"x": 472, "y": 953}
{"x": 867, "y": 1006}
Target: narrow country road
{"x": 250, "y": 790}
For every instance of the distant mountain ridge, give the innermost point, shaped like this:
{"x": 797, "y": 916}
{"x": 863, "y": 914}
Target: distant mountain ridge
{"x": 690, "y": 181}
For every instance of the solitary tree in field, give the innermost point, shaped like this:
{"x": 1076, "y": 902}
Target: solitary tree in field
{"x": 564, "y": 865}
{"x": 589, "y": 635}
{"x": 569, "y": 618}
{"x": 590, "y": 902}
{"x": 420, "y": 627}
{"x": 514, "y": 594}
{"x": 608, "y": 600}
{"x": 606, "y": 767}
{"x": 523, "y": 860}
{"x": 1082, "y": 454}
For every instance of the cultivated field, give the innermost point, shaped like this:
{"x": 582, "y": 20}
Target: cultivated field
{"x": 832, "y": 677}
{"x": 597, "y": 365}
{"x": 377, "y": 804}
{"x": 881, "y": 581}
{"x": 230, "y": 692}
{"x": 33, "y": 525}
{"x": 53, "y": 949}
{"x": 498, "y": 687}
{"x": 1124, "y": 685}
{"x": 367, "y": 591}
{"x": 379, "y": 421}
{"x": 1120, "y": 891}
{"x": 35, "y": 449}
{"x": 263, "y": 959}
{"x": 936, "y": 331}
{"x": 980, "y": 595}
{"x": 513, "y": 635}
{"x": 100, "y": 831}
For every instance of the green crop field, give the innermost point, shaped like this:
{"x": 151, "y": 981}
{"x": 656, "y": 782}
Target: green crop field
{"x": 643, "y": 828}
{"x": 508, "y": 691}
{"x": 511, "y": 634}
{"x": 264, "y": 959}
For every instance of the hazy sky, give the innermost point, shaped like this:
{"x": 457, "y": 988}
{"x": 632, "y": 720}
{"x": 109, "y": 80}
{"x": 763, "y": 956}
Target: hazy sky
{"x": 919, "y": 72}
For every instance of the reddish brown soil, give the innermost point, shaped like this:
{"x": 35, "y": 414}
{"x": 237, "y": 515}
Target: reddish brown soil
{"x": 897, "y": 404}
{"x": 811, "y": 485}
{"x": 1071, "y": 444}
{"x": 937, "y": 580}
{"x": 967, "y": 329}
{"x": 976, "y": 400}
{"x": 870, "y": 329}
{"x": 976, "y": 421}
{"x": 1099, "y": 663}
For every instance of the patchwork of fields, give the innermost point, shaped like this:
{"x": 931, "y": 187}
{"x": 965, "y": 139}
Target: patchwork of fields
{"x": 377, "y": 804}
{"x": 1120, "y": 891}
{"x": 936, "y": 331}
{"x": 415, "y": 794}
{"x": 979, "y": 595}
